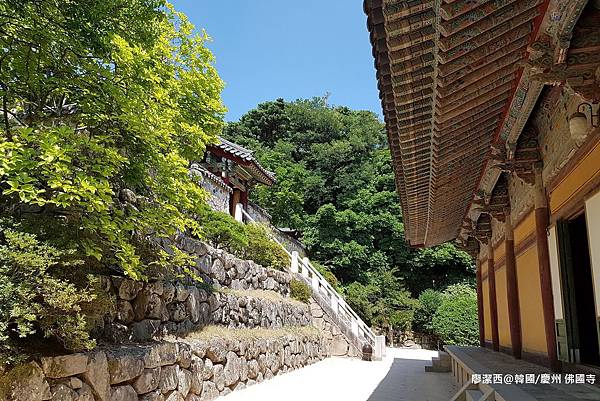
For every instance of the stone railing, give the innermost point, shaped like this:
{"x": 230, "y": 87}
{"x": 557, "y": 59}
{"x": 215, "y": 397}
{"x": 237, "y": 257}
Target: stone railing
{"x": 148, "y": 310}
{"x": 190, "y": 369}
{"x": 358, "y": 332}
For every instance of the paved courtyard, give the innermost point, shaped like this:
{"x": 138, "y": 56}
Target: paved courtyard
{"x": 399, "y": 377}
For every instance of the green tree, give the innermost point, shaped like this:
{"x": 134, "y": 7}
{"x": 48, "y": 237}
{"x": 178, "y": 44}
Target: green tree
{"x": 429, "y": 302}
{"x": 101, "y": 99}
{"x": 335, "y": 184}
{"x": 455, "y": 320}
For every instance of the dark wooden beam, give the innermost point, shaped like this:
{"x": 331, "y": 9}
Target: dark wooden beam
{"x": 541, "y": 225}
{"x": 512, "y": 288}
{"x": 493, "y": 299}
{"x": 480, "y": 315}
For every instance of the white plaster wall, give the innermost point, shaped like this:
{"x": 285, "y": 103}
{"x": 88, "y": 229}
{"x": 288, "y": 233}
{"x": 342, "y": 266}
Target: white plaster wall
{"x": 592, "y": 214}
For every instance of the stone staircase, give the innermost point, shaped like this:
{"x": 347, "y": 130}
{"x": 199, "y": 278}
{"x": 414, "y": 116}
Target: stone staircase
{"x": 358, "y": 333}
{"x": 440, "y": 364}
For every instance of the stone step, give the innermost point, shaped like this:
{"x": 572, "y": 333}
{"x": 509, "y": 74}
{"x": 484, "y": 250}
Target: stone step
{"x": 473, "y": 395}
{"x": 440, "y": 364}
{"x": 436, "y": 369}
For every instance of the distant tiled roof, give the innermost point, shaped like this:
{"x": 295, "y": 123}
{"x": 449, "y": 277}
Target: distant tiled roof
{"x": 261, "y": 174}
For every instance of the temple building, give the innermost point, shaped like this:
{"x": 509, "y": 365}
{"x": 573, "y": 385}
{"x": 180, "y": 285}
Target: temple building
{"x": 228, "y": 172}
{"x": 491, "y": 109}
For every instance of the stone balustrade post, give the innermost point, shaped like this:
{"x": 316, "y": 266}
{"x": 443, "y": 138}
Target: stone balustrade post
{"x": 354, "y": 327}
{"x": 305, "y": 267}
{"x": 379, "y": 351}
{"x": 315, "y": 282}
{"x": 294, "y": 267}
{"x": 334, "y": 303}
{"x": 239, "y": 215}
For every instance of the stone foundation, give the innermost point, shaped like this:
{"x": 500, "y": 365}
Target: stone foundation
{"x": 190, "y": 369}
{"x": 411, "y": 339}
{"x": 337, "y": 342}
{"x": 155, "y": 309}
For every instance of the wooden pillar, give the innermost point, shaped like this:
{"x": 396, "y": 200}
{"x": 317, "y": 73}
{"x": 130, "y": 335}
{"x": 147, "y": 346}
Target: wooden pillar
{"x": 235, "y": 199}
{"x": 493, "y": 299}
{"x": 541, "y": 225}
{"x": 512, "y": 288}
{"x": 480, "y": 315}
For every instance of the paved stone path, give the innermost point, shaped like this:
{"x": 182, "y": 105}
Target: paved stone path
{"x": 399, "y": 377}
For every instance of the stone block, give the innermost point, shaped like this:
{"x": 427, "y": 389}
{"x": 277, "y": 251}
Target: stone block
{"x": 62, "y": 392}
{"x": 25, "y": 383}
{"x": 145, "y": 330}
{"x": 209, "y": 391}
{"x": 147, "y": 381}
{"x": 169, "y": 378}
{"x": 124, "y": 365}
{"x": 123, "y": 393}
{"x": 97, "y": 376}
{"x": 219, "y": 377}
{"x": 232, "y": 368}
{"x": 185, "y": 382}
{"x": 160, "y": 354}
{"x": 64, "y": 365}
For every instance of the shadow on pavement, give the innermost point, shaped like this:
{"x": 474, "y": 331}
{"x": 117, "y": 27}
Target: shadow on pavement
{"x": 407, "y": 381}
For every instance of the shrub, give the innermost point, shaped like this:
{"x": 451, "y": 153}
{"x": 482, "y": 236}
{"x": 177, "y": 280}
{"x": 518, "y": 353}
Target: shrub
{"x": 43, "y": 294}
{"x": 429, "y": 302}
{"x": 455, "y": 321}
{"x": 249, "y": 241}
{"x": 300, "y": 291}
{"x": 223, "y": 231}
{"x": 263, "y": 250}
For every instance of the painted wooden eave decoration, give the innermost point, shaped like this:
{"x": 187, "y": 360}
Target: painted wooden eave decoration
{"x": 245, "y": 158}
{"x": 449, "y": 73}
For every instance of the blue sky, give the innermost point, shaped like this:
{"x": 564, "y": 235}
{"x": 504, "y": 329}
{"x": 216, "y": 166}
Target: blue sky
{"x": 267, "y": 49}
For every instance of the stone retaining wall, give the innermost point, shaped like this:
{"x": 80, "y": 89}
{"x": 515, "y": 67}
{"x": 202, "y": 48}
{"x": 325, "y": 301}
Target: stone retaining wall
{"x": 222, "y": 269}
{"x": 154, "y": 309}
{"x": 337, "y": 341}
{"x": 190, "y": 370}
{"x": 240, "y": 311}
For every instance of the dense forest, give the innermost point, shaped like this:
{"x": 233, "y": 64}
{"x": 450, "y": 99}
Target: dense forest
{"x": 335, "y": 185}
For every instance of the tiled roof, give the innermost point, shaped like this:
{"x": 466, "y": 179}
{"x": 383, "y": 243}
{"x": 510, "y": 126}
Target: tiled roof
{"x": 249, "y": 161}
{"x": 447, "y": 71}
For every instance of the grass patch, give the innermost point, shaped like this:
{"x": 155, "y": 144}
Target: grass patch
{"x": 211, "y": 332}
{"x": 262, "y": 294}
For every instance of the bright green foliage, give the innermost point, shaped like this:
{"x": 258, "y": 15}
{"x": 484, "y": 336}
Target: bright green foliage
{"x": 382, "y": 302}
{"x": 101, "y": 96}
{"x": 249, "y": 241}
{"x": 43, "y": 294}
{"x": 455, "y": 321}
{"x": 429, "y": 302}
{"x": 221, "y": 230}
{"x": 263, "y": 250}
{"x": 300, "y": 291}
{"x": 335, "y": 185}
